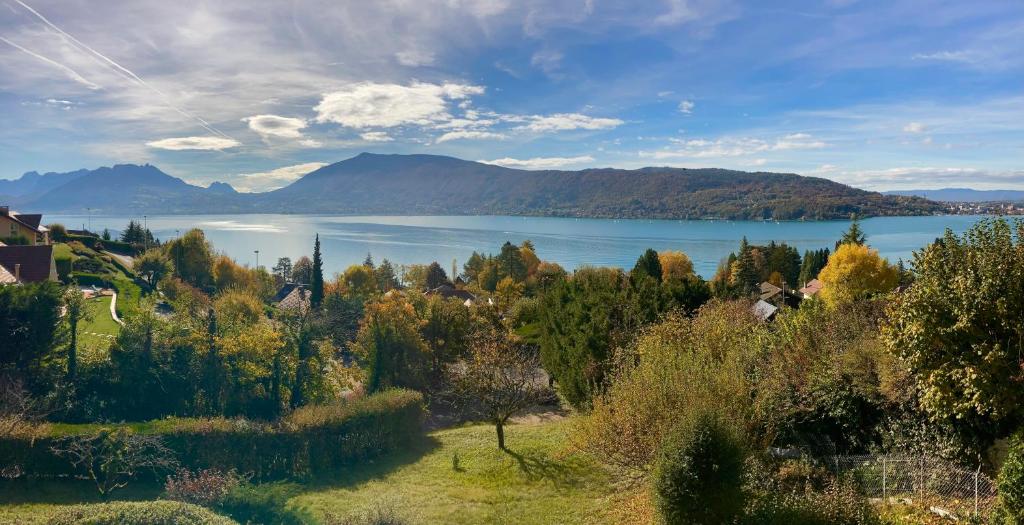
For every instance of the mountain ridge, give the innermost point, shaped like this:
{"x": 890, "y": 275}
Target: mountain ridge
{"x": 396, "y": 184}
{"x": 963, "y": 195}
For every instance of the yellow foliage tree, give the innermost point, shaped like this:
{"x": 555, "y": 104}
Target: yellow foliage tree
{"x": 358, "y": 280}
{"x": 675, "y": 265}
{"x": 853, "y": 272}
{"x": 508, "y": 292}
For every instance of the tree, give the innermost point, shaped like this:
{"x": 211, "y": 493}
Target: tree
{"x": 58, "y": 233}
{"x": 302, "y": 272}
{"x": 508, "y": 292}
{"x": 368, "y": 261}
{"x": 153, "y": 265}
{"x": 76, "y": 311}
{"x": 316, "y": 283}
{"x": 385, "y": 276}
{"x": 855, "y": 272}
{"x": 500, "y": 377}
{"x": 283, "y": 269}
{"x": 390, "y": 345}
{"x": 29, "y": 321}
{"x": 959, "y": 329}
{"x": 855, "y": 235}
{"x": 743, "y": 274}
{"x": 473, "y": 266}
{"x": 675, "y": 265}
{"x": 358, "y": 280}
{"x": 192, "y": 257}
{"x": 106, "y": 234}
{"x": 648, "y": 264}
{"x": 813, "y": 262}
{"x": 435, "y": 276}
{"x": 447, "y": 326}
{"x": 112, "y": 458}
{"x": 509, "y": 263}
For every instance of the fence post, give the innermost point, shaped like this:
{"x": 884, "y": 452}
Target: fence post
{"x": 885, "y": 475}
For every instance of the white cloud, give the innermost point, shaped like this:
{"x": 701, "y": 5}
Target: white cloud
{"x": 797, "y": 141}
{"x": 273, "y": 179}
{"x": 686, "y": 107}
{"x": 376, "y": 136}
{"x": 734, "y": 147}
{"x": 415, "y": 57}
{"x": 540, "y": 163}
{"x": 370, "y": 104}
{"x": 548, "y": 60}
{"x": 569, "y": 121}
{"x": 194, "y": 143}
{"x": 914, "y": 127}
{"x": 468, "y": 134}
{"x": 276, "y": 126}
{"x": 947, "y": 56}
{"x": 310, "y": 143}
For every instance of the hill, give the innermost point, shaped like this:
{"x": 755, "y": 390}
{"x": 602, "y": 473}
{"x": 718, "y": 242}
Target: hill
{"x": 438, "y": 185}
{"x": 963, "y": 195}
{"x": 33, "y": 184}
{"x": 430, "y": 184}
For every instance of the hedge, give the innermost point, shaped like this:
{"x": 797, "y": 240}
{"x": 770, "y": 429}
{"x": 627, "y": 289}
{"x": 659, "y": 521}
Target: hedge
{"x": 312, "y": 441}
{"x": 92, "y": 279}
{"x": 138, "y": 513}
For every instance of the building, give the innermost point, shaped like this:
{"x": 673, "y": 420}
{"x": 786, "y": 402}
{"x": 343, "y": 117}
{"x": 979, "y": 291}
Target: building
{"x": 16, "y": 226}
{"x": 292, "y": 296}
{"x": 448, "y": 291}
{"x": 764, "y": 311}
{"x": 811, "y": 288}
{"x": 27, "y": 264}
{"x": 770, "y": 293}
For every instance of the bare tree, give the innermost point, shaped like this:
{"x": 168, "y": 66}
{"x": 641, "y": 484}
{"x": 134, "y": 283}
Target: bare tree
{"x": 112, "y": 458}
{"x": 18, "y": 409}
{"x": 500, "y": 377}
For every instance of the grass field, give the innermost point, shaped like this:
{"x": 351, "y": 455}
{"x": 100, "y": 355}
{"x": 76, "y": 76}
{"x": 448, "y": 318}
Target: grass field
{"x": 457, "y": 476}
{"x": 99, "y": 322}
{"x": 462, "y": 477}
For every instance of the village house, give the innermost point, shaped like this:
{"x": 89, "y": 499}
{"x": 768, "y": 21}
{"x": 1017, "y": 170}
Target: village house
{"x": 27, "y": 264}
{"x": 811, "y": 288}
{"x": 22, "y": 228}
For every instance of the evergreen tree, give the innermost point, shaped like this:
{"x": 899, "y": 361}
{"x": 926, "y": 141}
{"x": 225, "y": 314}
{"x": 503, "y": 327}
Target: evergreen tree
{"x": 106, "y": 234}
{"x": 436, "y": 276}
{"x": 211, "y": 366}
{"x": 813, "y": 262}
{"x": 855, "y": 235}
{"x": 474, "y": 265}
{"x": 743, "y": 272}
{"x": 648, "y": 264}
{"x": 385, "y": 275}
{"x": 316, "y": 285}
{"x": 283, "y": 269}
{"x": 510, "y": 263}
{"x": 368, "y": 261}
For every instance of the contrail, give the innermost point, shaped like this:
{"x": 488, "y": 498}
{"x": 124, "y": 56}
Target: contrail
{"x": 123, "y": 71}
{"x": 71, "y": 72}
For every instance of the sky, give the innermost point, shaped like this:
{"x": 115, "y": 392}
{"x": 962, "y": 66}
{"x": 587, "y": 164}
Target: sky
{"x": 889, "y": 94}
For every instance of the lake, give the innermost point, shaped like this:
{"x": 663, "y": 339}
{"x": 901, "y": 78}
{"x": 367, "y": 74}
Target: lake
{"x": 346, "y": 240}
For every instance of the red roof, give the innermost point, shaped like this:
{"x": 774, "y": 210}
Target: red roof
{"x": 36, "y": 262}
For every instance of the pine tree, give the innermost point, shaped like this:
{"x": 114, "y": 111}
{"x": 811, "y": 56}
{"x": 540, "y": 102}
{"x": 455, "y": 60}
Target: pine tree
{"x": 648, "y": 264}
{"x": 368, "y": 261}
{"x": 855, "y": 235}
{"x": 316, "y": 285}
{"x": 744, "y": 274}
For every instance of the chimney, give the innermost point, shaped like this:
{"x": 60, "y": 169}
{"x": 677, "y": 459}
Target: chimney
{"x": 17, "y": 272}
{"x": 5, "y": 210}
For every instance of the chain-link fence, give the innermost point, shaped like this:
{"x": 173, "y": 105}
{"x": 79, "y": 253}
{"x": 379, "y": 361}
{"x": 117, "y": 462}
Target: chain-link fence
{"x": 940, "y": 484}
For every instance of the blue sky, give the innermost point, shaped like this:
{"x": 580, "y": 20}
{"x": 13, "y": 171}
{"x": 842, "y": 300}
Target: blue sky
{"x": 877, "y": 94}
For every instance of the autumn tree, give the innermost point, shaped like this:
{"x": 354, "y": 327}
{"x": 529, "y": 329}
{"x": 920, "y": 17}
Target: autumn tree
{"x": 960, "y": 329}
{"x": 302, "y": 271}
{"x": 153, "y": 265}
{"x": 854, "y": 272}
{"x": 500, "y": 377}
{"x": 390, "y": 345}
{"x": 192, "y": 257}
{"x": 674, "y": 265}
{"x": 358, "y": 280}
{"x": 283, "y": 269}
{"x": 508, "y": 292}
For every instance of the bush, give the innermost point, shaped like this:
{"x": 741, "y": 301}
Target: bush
{"x": 1011, "y": 482}
{"x": 91, "y": 279}
{"x": 248, "y": 503}
{"x": 312, "y": 441}
{"x": 205, "y": 487}
{"x": 138, "y": 513}
{"x": 699, "y": 475}
{"x": 797, "y": 492}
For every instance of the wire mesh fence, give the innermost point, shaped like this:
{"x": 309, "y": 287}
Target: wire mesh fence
{"x": 945, "y": 486}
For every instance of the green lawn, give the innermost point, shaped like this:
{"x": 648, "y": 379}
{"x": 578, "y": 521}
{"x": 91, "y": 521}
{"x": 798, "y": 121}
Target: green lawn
{"x": 100, "y": 323}
{"x": 539, "y": 482}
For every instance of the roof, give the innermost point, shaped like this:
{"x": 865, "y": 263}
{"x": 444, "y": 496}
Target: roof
{"x": 7, "y": 277}
{"x": 285, "y": 290}
{"x": 763, "y": 310}
{"x": 812, "y": 287}
{"x": 447, "y": 291}
{"x": 297, "y": 299}
{"x": 769, "y": 290}
{"x": 36, "y": 262}
{"x": 29, "y": 220}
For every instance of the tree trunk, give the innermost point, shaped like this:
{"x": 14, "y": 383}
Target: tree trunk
{"x": 73, "y": 352}
{"x": 500, "y": 428}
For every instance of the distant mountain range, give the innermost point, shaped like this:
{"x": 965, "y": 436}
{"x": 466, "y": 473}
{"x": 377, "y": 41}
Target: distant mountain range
{"x": 433, "y": 185}
{"x": 963, "y": 195}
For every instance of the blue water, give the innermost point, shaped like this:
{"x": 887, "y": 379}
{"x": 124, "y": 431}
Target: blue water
{"x": 569, "y": 242}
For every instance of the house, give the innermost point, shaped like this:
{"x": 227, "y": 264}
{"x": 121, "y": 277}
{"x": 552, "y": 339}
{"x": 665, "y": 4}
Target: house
{"x": 27, "y": 264}
{"x": 764, "y": 311}
{"x": 14, "y": 225}
{"x": 448, "y": 291}
{"x": 811, "y": 288}
{"x": 770, "y": 293}
{"x": 292, "y": 296}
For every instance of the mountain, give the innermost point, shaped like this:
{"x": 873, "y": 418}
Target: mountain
{"x": 129, "y": 188}
{"x": 432, "y": 184}
{"x": 964, "y": 195}
{"x": 32, "y": 183}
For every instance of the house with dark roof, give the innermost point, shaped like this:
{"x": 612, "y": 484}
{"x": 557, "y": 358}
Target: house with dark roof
{"x": 27, "y": 264}
{"x": 448, "y": 291}
{"x": 292, "y": 296}
{"x": 27, "y": 226}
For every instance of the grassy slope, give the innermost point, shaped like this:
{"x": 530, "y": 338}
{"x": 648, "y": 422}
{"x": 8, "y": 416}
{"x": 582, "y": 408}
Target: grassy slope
{"x": 540, "y": 482}
{"x": 99, "y": 322}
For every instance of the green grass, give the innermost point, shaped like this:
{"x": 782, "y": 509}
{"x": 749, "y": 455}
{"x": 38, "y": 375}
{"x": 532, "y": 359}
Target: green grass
{"x": 99, "y": 322}
{"x": 540, "y": 481}
{"x": 62, "y": 251}
{"x": 32, "y": 502}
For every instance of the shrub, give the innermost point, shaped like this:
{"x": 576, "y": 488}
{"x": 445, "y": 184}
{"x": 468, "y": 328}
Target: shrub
{"x": 205, "y": 487}
{"x": 1011, "y": 482}
{"x": 380, "y": 514}
{"x": 796, "y": 492}
{"x": 699, "y": 475}
{"x": 91, "y": 279}
{"x": 312, "y": 441}
{"x": 248, "y": 503}
{"x": 138, "y": 513}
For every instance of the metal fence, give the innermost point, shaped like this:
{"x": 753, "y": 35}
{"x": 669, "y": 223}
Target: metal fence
{"x": 940, "y": 484}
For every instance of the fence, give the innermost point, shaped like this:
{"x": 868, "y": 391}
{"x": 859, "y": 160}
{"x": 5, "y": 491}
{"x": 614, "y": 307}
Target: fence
{"x": 951, "y": 487}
